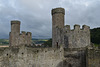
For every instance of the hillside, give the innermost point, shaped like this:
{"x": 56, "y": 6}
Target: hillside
{"x": 36, "y": 41}
{"x": 95, "y": 35}
{"x": 39, "y": 41}
{"x": 4, "y": 41}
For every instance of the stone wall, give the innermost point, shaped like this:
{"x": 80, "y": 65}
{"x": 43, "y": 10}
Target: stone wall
{"x": 42, "y": 57}
{"x": 60, "y": 37}
{"x": 25, "y": 38}
{"x": 74, "y": 57}
{"x": 93, "y": 58}
{"x": 77, "y": 37}
{"x": 31, "y": 57}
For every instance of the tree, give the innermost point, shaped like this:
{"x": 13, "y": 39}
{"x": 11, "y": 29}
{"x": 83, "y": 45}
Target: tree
{"x": 95, "y": 35}
{"x": 48, "y": 43}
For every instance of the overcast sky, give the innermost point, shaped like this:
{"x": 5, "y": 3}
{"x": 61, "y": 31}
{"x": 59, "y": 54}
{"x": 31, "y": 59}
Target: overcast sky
{"x": 35, "y": 15}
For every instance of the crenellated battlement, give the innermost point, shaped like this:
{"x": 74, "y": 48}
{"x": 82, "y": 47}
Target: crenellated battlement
{"x": 29, "y": 33}
{"x": 23, "y": 32}
{"x": 58, "y": 10}
{"x": 85, "y": 27}
{"x": 67, "y": 27}
{"x": 15, "y": 22}
{"x": 77, "y": 37}
{"x": 77, "y": 28}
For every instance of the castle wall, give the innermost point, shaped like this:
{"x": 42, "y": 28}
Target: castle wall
{"x": 74, "y": 57}
{"x": 42, "y": 57}
{"x": 30, "y": 57}
{"x": 93, "y": 58}
{"x": 29, "y": 38}
{"x": 77, "y": 37}
{"x": 25, "y": 38}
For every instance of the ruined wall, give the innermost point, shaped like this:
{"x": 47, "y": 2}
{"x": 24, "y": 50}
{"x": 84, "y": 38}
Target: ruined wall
{"x": 25, "y": 38}
{"x": 77, "y": 37}
{"x": 57, "y": 22}
{"x": 16, "y": 38}
{"x": 93, "y": 58}
{"x": 75, "y": 57}
{"x": 31, "y": 57}
{"x": 42, "y": 57}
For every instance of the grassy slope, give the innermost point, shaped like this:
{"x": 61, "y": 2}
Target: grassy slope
{"x": 39, "y": 41}
{"x": 4, "y": 41}
{"x": 36, "y": 41}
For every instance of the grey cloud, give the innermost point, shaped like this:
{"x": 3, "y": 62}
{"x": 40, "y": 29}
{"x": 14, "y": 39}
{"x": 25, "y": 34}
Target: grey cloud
{"x": 35, "y": 15}
{"x": 82, "y": 12}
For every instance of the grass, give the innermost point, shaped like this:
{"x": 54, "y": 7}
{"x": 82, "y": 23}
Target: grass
{"x": 4, "y": 42}
{"x": 96, "y": 45}
{"x": 39, "y": 41}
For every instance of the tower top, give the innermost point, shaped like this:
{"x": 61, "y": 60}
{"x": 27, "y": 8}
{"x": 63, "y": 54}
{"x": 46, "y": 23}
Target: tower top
{"x": 15, "y": 22}
{"x": 58, "y": 10}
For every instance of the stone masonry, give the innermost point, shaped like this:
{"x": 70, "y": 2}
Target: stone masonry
{"x": 57, "y": 22}
{"x": 77, "y": 37}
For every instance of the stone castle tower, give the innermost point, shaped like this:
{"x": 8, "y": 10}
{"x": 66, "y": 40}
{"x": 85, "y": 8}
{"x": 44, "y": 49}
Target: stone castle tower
{"x": 63, "y": 35}
{"x": 57, "y": 22}
{"x": 16, "y": 38}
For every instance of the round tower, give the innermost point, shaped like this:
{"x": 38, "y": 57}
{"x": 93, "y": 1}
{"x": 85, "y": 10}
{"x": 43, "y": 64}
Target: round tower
{"x": 57, "y": 22}
{"x": 15, "y": 26}
{"x": 14, "y": 34}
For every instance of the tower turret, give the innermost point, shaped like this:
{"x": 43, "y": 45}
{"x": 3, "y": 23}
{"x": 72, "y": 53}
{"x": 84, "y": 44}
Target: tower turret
{"x": 57, "y": 22}
{"x": 14, "y": 34}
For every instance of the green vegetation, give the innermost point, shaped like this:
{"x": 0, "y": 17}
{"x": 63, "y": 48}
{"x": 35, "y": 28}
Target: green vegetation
{"x": 34, "y": 41}
{"x": 96, "y": 45}
{"x": 48, "y": 43}
{"x": 39, "y": 41}
{"x": 4, "y": 41}
{"x": 95, "y": 36}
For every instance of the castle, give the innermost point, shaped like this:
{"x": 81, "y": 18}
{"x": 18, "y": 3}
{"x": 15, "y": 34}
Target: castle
{"x": 70, "y": 48}
{"x": 63, "y": 35}
{"x": 16, "y": 38}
